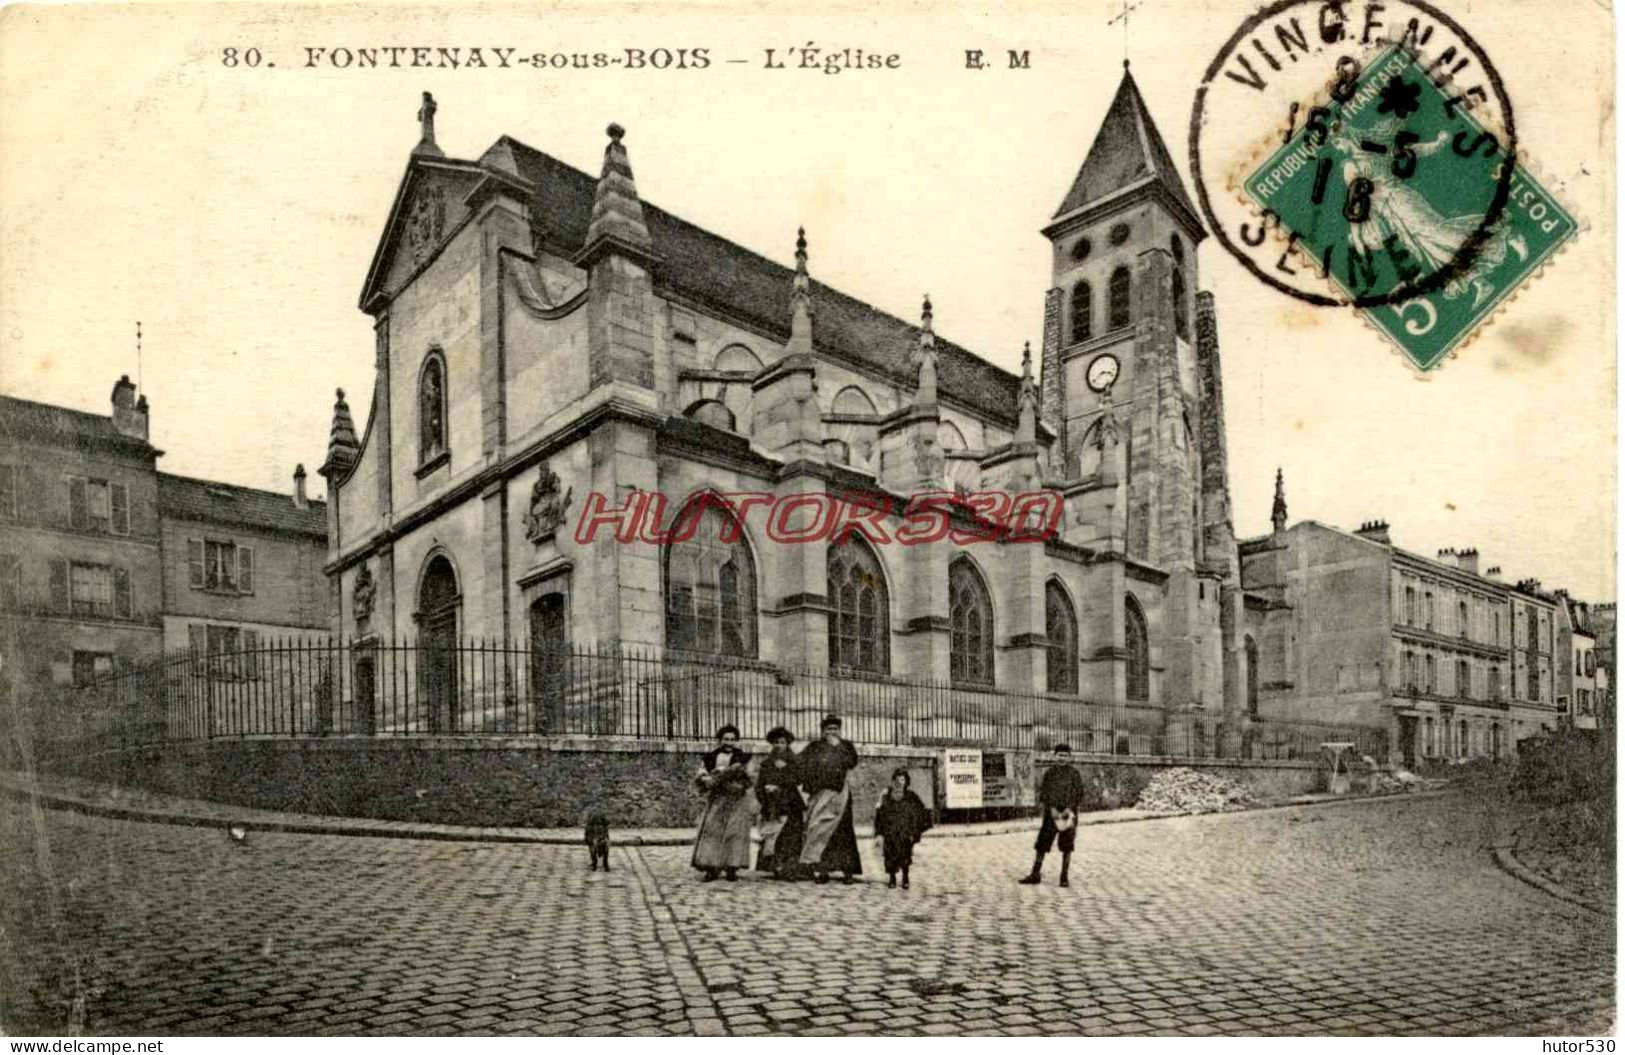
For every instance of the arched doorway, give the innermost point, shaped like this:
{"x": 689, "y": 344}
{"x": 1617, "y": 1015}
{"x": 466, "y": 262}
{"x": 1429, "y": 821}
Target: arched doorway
{"x": 438, "y": 599}
{"x": 549, "y": 662}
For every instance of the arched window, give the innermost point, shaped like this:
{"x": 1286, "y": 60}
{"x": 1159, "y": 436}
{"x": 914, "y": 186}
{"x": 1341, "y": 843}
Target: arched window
{"x": 1464, "y": 678}
{"x": 1061, "y": 637}
{"x": 1082, "y": 312}
{"x": 1251, "y": 648}
{"x": 710, "y": 582}
{"x": 1432, "y": 674}
{"x": 1118, "y": 311}
{"x": 860, "y": 610}
{"x": 432, "y": 409}
{"x": 970, "y": 615}
{"x": 713, "y": 413}
{"x": 736, "y": 358}
{"x": 853, "y": 401}
{"x": 1410, "y": 606}
{"x": 1137, "y": 643}
{"x": 1182, "y": 314}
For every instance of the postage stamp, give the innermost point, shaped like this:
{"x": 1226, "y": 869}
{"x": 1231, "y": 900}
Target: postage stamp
{"x": 1385, "y": 189}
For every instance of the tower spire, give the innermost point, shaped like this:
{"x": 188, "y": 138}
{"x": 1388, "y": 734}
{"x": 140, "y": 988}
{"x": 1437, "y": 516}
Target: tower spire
{"x": 1027, "y": 400}
{"x": 617, "y": 212}
{"x": 801, "y": 300}
{"x": 925, "y": 393}
{"x": 1278, "y": 510}
{"x": 427, "y": 147}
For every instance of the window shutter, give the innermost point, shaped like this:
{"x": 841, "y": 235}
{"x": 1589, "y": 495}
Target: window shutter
{"x": 194, "y": 562}
{"x": 59, "y": 585}
{"x": 245, "y": 569}
{"x": 78, "y": 508}
{"x": 121, "y": 593}
{"x": 121, "y": 508}
{"x": 197, "y": 638}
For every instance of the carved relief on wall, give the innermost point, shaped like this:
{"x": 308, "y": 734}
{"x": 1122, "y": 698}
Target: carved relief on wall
{"x": 362, "y": 594}
{"x": 426, "y": 221}
{"x": 547, "y": 505}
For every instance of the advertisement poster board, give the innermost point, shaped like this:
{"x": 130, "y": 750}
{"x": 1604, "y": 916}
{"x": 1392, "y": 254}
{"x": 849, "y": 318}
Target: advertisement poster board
{"x": 962, "y": 778}
{"x": 1007, "y": 778}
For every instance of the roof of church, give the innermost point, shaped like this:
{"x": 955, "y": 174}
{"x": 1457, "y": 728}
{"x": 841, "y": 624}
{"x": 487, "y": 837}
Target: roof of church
{"x": 188, "y": 498}
{"x": 1127, "y": 150}
{"x": 48, "y": 423}
{"x": 715, "y": 271}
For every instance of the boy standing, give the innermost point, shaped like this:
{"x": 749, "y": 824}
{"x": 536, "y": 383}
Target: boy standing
{"x": 1060, "y": 795}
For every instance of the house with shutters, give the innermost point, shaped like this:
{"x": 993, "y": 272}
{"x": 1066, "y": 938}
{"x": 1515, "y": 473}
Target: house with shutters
{"x": 106, "y": 562}
{"x": 240, "y": 565}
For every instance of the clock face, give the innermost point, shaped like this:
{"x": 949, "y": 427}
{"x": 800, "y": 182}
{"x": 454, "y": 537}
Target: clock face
{"x": 1102, "y": 372}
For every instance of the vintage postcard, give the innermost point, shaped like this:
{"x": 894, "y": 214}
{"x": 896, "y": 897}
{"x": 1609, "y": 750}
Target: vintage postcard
{"x": 661, "y": 519}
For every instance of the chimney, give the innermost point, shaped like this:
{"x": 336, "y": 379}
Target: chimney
{"x": 129, "y": 416}
{"x": 1493, "y": 572}
{"x": 1467, "y": 561}
{"x": 299, "y": 499}
{"x": 1375, "y": 530}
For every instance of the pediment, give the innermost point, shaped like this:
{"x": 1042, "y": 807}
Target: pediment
{"x": 429, "y": 206}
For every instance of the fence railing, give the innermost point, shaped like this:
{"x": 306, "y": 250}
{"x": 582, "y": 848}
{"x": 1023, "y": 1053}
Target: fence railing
{"x": 316, "y": 688}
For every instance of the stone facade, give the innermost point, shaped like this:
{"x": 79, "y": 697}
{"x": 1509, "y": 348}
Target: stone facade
{"x": 591, "y": 337}
{"x": 1346, "y": 627}
{"x": 107, "y": 562}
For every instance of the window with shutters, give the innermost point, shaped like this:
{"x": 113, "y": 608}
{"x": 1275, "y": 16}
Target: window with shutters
{"x": 11, "y": 582}
{"x": 90, "y": 505}
{"x": 119, "y": 495}
{"x": 219, "y": 566}
{"x": 91, "y": 589}
{"x": 1118, "y": 307}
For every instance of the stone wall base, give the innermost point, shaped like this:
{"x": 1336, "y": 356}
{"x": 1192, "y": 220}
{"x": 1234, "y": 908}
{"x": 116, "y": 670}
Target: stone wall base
{"x": 548, "y": 783}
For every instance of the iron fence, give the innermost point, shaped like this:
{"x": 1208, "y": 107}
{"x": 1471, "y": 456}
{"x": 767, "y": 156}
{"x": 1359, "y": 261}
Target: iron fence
{"x": 316, "y": 688}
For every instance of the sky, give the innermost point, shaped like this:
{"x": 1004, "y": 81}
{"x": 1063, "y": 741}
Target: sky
{"x": 235, "y": 210}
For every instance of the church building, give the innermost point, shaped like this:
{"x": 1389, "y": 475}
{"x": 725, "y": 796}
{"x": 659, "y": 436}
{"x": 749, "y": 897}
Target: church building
{"x": 549, "y": 345}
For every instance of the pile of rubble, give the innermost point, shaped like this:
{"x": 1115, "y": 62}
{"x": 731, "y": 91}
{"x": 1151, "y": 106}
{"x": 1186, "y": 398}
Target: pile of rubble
{"x": 1187, "y": 791}
{"x": 1403, "y": 780}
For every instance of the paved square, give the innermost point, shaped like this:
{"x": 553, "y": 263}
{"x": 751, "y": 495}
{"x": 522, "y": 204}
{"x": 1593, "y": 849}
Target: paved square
{"x": 1365, "y": 918}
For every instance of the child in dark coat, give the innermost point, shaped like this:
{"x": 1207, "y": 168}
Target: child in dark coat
{"x": 900, "y": 819}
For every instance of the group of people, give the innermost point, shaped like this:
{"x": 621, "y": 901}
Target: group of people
{"x": 812, "y": 836}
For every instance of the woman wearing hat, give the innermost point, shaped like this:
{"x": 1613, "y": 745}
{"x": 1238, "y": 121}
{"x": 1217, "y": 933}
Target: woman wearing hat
{"x": 723, "y": 843}
{"x": 782, "y": 822}
{"x": 831, "y": 843}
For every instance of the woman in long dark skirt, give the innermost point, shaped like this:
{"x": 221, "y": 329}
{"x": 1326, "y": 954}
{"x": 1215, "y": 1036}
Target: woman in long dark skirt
{"x": 900, "y": 819}
{"x": 723, "y": 843}
{"x": 783, "y": 822}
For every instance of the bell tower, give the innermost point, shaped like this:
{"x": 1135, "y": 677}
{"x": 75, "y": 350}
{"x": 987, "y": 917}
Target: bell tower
{"x": 1120, "y": 327}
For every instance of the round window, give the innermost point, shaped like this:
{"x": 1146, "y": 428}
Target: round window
{"x": 1119, "y": 234}
{"x": 1080, "y": 249}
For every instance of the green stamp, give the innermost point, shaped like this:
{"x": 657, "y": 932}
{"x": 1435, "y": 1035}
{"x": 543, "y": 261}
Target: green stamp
{"x": 1386, "y": 190}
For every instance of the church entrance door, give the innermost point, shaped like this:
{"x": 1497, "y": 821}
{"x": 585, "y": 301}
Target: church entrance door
{"x": 549, "y": 662}
{"x": 437, "y": 645}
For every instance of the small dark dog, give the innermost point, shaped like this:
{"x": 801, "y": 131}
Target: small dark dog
{"x": 597, "y": 833}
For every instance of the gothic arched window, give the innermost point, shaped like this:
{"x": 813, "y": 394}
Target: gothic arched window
{"x": 710, "y": 582}
{"x": 1082, "y": 312}
{"x": 1182, "y": 318}
{"x": 970, "y": 615}
{"x": 432, "y": 408}
{"x": 1061, "y": 639}
{"x": 1118, "y": 310}
{"x": 1137, "y": 643}
{"x": 1252, "y": 676}
{"x": 860, "y": 610}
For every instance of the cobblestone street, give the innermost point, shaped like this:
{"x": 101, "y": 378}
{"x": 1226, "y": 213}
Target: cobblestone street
{"x": 1367, "y": 918}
